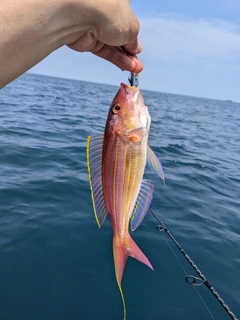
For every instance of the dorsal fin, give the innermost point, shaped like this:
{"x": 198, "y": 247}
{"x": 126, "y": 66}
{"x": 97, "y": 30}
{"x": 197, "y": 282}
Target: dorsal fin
{"x": 94, "y": 163}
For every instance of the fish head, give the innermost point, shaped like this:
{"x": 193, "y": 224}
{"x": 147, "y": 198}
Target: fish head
{"x": 128, "y": 116}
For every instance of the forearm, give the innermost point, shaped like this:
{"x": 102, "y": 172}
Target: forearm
{"x": 29, "y": 31}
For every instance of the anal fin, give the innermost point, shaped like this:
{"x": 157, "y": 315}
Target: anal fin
{"x": 142, "y": 204}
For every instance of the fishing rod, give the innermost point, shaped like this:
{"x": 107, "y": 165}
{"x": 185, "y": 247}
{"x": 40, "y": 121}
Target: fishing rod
{"x": 195, "y": 281}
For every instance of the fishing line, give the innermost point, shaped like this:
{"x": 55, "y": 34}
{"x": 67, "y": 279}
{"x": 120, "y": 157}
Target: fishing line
{"x": 195, "y": 281}
{"x": 189, "y": 278}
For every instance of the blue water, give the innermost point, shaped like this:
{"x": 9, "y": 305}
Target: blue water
{"x": 55, "y": 264}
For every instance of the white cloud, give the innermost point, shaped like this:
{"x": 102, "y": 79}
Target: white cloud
{"x": 178, "y": 39}
{"x": 180, "y": 55}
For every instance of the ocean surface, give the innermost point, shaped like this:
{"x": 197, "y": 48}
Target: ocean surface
{"x": 55, "y": 264}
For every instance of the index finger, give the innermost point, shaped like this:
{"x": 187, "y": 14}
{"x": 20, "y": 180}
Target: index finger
{"x": 133, "y": 46}
{"x": 120, "y": 58}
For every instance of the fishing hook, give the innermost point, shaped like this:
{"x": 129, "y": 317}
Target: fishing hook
{"x": 133, "y": 79}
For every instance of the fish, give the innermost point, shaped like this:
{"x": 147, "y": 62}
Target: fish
{"x": 116, "y": 162}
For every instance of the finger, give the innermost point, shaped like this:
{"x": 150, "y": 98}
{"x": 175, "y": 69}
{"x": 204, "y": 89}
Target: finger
{"x": 133, "y": 45}
{"x": 119, "y": 58}
{"x": 133, "y": 48}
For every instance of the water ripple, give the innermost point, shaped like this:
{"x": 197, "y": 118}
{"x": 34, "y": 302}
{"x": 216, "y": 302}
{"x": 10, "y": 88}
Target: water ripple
{"x": 53, "y": 257}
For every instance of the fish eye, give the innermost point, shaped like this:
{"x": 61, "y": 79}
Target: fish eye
{"x": 116, "y": 108}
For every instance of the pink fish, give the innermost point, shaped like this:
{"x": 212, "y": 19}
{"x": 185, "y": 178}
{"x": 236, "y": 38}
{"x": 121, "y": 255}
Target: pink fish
{"x": 116, "y": 163}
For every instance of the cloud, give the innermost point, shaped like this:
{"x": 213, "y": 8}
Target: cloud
{"x": 197, "y": 57}
{"x": 178, "y": 40}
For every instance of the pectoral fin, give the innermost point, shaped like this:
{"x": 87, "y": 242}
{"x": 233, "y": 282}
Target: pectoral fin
{"x": 154, "y": 162}
{"x": 94, "y": 163}
{"x": 142, "y": 204}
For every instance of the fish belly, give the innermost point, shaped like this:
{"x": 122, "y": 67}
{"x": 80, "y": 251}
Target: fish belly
{"x": 122, "y": 172}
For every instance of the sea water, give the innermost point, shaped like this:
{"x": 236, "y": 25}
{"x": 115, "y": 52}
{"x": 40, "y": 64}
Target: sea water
{"x": 55, "y": 264}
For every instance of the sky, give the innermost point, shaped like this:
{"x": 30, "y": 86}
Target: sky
{"x": 190, "y": 47}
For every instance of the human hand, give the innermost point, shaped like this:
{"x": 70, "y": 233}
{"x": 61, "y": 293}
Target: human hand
{"x": 31, "y": 30}
{"x": 108, "y": 29}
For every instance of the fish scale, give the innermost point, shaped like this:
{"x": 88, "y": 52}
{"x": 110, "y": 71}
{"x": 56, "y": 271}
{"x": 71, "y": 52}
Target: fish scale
{"x": 116, "y": 163}
{"x": 123, "y": 173}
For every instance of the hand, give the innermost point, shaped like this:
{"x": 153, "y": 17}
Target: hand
{"x": 31, "y": 30}
{"x": 112, "y": 25}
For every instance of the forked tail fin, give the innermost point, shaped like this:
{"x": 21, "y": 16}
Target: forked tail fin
{"x": 121, "y": 251}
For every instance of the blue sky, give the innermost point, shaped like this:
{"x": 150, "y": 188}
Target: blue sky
{"x": 190, "y": 47}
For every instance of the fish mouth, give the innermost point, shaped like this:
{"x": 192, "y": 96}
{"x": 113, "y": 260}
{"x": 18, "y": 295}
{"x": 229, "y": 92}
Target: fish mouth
{"x": 127, "y": 87}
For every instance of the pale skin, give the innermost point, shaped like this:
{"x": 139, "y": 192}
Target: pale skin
{"x": 31, "y": 29}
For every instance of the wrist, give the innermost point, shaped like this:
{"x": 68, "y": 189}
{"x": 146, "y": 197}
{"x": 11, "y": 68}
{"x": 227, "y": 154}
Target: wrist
{"x": 74, "y": 19}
